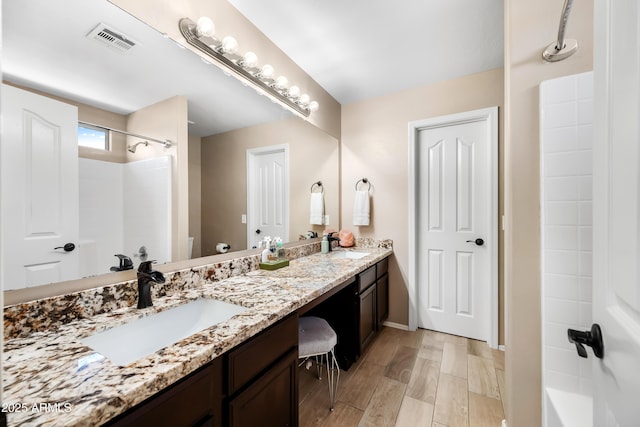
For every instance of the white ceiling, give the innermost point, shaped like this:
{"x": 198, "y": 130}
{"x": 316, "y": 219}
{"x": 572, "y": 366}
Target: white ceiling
{"x": 358, "y": 49}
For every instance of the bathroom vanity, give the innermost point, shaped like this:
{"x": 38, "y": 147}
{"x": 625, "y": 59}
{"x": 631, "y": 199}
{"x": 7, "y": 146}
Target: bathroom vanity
{"x": 228, "y": 374}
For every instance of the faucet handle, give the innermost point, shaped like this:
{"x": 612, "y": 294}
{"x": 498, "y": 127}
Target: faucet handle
{"x": 145, "y": 266}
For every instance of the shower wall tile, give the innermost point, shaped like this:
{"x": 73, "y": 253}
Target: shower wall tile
{"x": 562, "y": 189}
{"x": 560, "y": 139}
{"x": 101, "y": 215}
{"x": 566, "y": 107}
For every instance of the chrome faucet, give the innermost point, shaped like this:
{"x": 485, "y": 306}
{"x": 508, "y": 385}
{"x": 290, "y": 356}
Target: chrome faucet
{"x": 332, "y": 239}
{"x": 145, "y": 277}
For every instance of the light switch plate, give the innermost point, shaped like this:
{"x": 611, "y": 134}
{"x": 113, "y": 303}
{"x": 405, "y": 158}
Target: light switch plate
{"x": 326, "y": 220}
{"x": 244, "y": 218}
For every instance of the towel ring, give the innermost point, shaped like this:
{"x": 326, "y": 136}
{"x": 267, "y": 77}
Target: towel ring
{"x": 319, "y": 184}
{"x": 364, "y": 181}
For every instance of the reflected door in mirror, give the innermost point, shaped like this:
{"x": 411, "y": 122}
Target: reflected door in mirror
{"x": 39, "y": 189}
{"x": 268, "y": 189}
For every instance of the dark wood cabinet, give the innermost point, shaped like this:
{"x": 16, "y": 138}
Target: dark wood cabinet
{"x": 196, "y": 400}
{"x": 271, "y": 400}
{"x": 382, "y": 299}
{"x": 373, "y": 301}
{"x": 262, "y": 378}
{"x": 382, "y": 291}
{"x": 367, "y": 318}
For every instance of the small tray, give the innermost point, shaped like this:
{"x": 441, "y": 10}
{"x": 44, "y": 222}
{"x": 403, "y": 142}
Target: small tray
{"x": 274, "y": 265}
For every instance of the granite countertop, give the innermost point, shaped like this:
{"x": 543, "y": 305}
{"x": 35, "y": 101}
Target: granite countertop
{"x": 47, "y": 380}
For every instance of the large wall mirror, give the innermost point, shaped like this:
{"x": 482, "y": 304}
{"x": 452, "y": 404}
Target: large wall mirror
{"x": 137, "y": 197}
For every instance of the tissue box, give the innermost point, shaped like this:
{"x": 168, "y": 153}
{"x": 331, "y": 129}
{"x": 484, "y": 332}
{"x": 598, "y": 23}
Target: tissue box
{"x": 274, "y": 265}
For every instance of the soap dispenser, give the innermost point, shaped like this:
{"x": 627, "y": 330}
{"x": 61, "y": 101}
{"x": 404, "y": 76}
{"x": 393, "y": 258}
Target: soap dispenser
{"x": 266, "y": 251}
{"x": 325, "y": 244}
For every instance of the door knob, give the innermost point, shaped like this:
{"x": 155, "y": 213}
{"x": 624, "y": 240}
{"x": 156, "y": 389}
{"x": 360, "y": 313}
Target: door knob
{"x": 68, "y": 247}
{"x": 478, "y": 242}
{"x": 258, "y": 231}
{"x": 592, "y": 338}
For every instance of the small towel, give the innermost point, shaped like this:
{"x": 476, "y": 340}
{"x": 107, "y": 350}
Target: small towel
{"x": 316, "y": 209}
{"x": 361, "y": 208}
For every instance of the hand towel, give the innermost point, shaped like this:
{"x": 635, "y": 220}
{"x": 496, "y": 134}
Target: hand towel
{"x": 361, "y": 208}
{"x": 316, "y": 209}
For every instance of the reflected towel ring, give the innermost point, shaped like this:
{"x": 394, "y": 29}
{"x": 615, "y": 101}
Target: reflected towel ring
{"x": 319, "y": 184}
{"x": 365, "y": 181}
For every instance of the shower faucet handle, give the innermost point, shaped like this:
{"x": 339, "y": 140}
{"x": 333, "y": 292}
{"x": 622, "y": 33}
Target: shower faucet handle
{"x": 592, "y": 338}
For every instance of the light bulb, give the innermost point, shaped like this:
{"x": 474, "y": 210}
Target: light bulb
{"x": 205, "y": 27}
{"x": 266, "y": 71}
{"x": 281, "y": 82}
{"x": 229, "y": 45}
{"x": 294, "y": 91}
{"x": 304, "y": 99}
{"x": 250, "y": 59}
{"x": 313, "y": 106}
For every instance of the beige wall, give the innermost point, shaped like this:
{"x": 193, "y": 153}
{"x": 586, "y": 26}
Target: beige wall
{"x": 164, "y": 15}
{"x": 313, "y": 157}
{"x": 195, "y": 194}
{"x": 375, "y": 146}
{"x": 529, "y": 28}
{"x": 168, "y": 120}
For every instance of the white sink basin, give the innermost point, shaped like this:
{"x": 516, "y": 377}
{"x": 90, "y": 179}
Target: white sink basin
{"x": 349, "y": 254}
{"x": 131, "y": 341}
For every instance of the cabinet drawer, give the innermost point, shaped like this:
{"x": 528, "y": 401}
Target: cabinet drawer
{"x": 366, "y": 278}
{"x": 252, "y": 358}
{"x": 382, "y": 267}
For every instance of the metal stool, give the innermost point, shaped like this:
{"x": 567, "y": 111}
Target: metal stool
{"x": 317, "y": 339}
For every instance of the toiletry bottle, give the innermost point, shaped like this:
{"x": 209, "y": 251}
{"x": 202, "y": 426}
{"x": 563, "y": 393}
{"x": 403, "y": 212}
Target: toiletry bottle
{"x": 280, "y": 249}
{"x": 325, "y": 244}
{"x": 266, "y": 251}
{"x": 272, "y": 256}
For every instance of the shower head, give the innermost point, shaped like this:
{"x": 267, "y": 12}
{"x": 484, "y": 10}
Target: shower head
{"x": 132, "y": 148}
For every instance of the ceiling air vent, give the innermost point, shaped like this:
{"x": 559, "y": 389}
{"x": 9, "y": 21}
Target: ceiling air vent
{"x": 111, "y": 38}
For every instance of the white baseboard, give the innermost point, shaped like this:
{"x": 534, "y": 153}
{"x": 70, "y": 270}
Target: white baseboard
{"x": 501, "y": 347}
{"x": 396, "y": 325}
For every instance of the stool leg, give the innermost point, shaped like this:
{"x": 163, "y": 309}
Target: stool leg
{"x": 319, "y": 366}
{"x": 333, "y": 377}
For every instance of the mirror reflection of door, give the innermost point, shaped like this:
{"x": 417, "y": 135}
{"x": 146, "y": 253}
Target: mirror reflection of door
{"x": 39, "y": 189}
{"x": 267, "y": 194}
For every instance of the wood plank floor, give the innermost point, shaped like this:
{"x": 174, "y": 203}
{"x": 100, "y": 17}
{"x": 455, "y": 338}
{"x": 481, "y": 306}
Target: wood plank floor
{"x": 421, "y": 378}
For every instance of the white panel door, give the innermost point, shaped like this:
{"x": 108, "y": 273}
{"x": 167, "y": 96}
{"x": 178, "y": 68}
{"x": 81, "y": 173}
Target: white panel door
{"x": 39, "y": 189}
{"x": 616, "y": 253}
{"x": 268, "y": 195}
{"x": 453, "y": 210}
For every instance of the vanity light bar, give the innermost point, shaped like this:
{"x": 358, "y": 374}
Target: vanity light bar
{"x": 246, "y": 67}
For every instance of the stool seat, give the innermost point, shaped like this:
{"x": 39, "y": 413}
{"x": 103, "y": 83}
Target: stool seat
{"x": 317, "y": 339}
{"x": 315, "y": 336}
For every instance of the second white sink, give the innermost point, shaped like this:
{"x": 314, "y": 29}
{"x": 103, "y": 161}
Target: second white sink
{"x": 349, "y": 254}
{"x": 131, "y": 341}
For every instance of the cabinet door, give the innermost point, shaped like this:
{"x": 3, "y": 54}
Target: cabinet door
{"x": 253, "y": 357}
{"x": 193, "y": 401}
{"x": 272, "y": 400}
{"x": 382, "y": 295}
{"x": 367, "y": 316}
